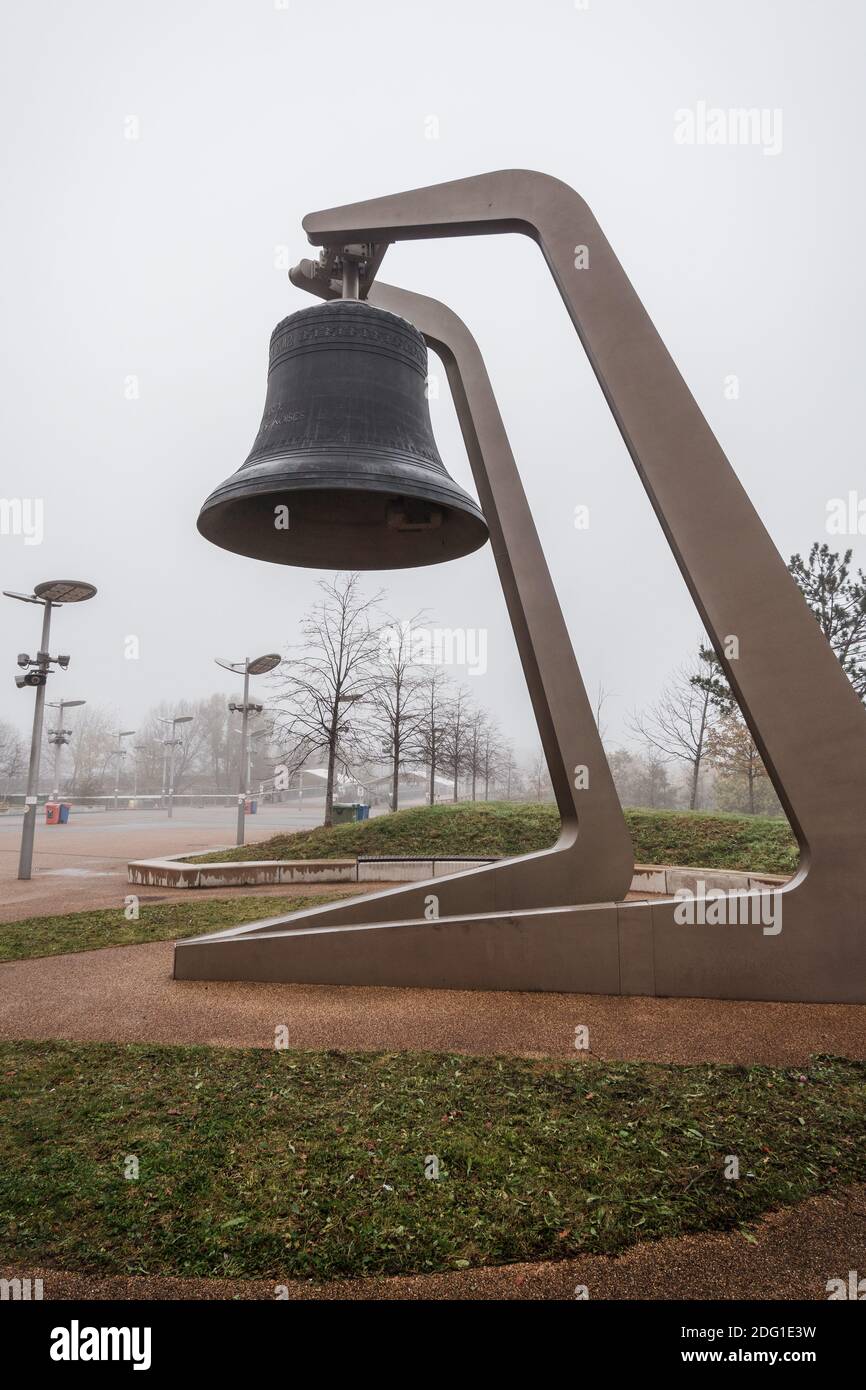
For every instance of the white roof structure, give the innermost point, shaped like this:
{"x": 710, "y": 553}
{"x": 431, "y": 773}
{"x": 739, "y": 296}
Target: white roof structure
{"x": 406, "y": 773}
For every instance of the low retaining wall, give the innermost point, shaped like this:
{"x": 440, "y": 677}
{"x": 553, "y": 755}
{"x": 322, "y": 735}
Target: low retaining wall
{"x": 664, "y": 880}
{"x": 387, "y": 869}
{"x": 169, "y": 873}
{"x": 650, "y": 880}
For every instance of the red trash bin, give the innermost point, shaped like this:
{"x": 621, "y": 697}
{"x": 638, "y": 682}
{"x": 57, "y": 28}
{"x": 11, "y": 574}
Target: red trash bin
{"x": 52, "y": 813}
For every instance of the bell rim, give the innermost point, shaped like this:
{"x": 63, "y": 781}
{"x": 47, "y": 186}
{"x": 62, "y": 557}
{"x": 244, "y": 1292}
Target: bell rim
{"x": 447, "y": 493}
{"x": 470, "y": 520}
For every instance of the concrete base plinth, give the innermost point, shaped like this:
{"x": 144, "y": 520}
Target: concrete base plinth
{"x": 767, "y": 944}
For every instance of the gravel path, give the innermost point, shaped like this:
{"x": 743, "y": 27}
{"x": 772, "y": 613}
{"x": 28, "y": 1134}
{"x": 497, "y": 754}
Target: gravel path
{"x": 796, "y": 1251}
{"x": 126, "y": 994}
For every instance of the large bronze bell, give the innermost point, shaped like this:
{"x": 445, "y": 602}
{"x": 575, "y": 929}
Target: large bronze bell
{"x": 344, "y": 472}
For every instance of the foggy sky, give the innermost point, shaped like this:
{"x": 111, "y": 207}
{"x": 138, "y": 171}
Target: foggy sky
{"x": 156, "y": 264}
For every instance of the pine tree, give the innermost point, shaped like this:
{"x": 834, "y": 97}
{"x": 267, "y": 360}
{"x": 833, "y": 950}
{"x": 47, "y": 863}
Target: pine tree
{"x": 838, "y": 601}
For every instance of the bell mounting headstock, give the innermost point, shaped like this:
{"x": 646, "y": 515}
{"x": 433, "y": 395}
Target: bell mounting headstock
{"x": 334, "y": 272}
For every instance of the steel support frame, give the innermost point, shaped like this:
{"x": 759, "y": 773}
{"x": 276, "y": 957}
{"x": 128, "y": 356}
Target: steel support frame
{"x": 556, "y": 921}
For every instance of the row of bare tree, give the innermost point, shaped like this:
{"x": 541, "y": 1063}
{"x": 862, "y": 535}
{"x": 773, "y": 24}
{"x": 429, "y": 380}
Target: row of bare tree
{"x": 94, "y": 761}
{"x": 357, "y": 694}
{"x": 696, "y": 726}
{"x": 360, "y": 690}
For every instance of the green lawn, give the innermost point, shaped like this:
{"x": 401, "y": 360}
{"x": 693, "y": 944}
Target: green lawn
{"x": 87, "y": 931}
{"x": 265, "y": 1164}
{"x": 712, "y": 841}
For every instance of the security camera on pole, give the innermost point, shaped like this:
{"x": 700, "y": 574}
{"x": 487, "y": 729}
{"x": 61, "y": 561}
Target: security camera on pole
{"x": 120, "y": 754}
{"x": 52, "y": 594}
{"x": 59, "y": 737}
{"x": 247, "y": 668}
{"x": 172, "y": 743}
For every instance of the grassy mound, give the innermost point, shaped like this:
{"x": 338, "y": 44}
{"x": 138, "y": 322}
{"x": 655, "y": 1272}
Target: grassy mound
{"x": 503, "y": 828}
{"x": 261, "y": 1164}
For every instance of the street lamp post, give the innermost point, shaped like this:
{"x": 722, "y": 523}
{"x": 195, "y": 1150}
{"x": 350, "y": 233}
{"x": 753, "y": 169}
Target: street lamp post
{"x": 52, "y": 594}
{"x": 120, "y": 755}
{"x": 248, "y": 668}
{"x": 60, "y": 737}
{"x": 173, "y": 743}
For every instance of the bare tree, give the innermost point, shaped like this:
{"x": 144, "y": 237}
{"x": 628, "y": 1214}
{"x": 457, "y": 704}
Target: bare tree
{"x": 539, "y": 777}
{"x": 13, "y": 755}
{"x": 335, "y": 669}
{"x": 456, "y": 729}
{"x": 476, "y": 730}
{"x": 192, "y": 740}
{"x": 625, "y": 768}
{"x": 601, "y": 699}
{"x": 430, "y": 747}
{"x": 653, "y": 784}
{"x": 509, "y": 771}
{"x": 491, "y": 755}
{"x": 92, "y": 747}
{"x": 678, "y": 724}
{"x": 398, "y": 699}
{"x": 148, "y": 754}
{"x": 216, "y": 740}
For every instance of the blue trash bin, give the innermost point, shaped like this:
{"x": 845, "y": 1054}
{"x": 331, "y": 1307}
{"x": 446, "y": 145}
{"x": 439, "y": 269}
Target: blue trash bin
{"x": 362, "y": 812}
{"x": 64, "y": 813}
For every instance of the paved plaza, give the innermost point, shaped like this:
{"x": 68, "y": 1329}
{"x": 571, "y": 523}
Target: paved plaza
{"x": 82, "y": 864}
